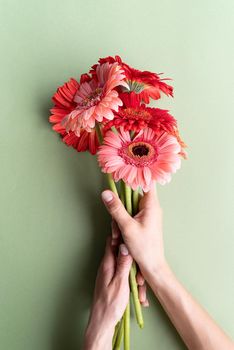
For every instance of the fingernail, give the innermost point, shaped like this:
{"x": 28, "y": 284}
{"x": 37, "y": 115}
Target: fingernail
{"x": 146, "y": 303}
{"x": 107, "y": 196}
{"x": 123, "y": 249}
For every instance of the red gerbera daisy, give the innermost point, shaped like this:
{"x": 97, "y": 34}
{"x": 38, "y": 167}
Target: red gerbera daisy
{"x": 135, "y": 116}
{"x": 64, "y": 104}
{"x": 138, "y": 118}
{"x": 146, "y": 84}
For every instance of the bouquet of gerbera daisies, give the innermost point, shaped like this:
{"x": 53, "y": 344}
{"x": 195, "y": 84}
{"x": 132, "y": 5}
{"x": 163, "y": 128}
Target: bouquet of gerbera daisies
{"x": 107, "y": 113}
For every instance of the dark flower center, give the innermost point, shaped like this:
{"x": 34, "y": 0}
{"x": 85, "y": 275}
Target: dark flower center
{"x": 139, "y": 153}
{"x": 140, "y": 150}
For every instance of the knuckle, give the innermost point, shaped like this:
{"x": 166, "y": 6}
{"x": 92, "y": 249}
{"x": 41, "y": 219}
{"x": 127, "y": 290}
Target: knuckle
{"x": 122, "y": 283}
{"x": 118, "y": 284}
{"x": 123, "y": 264}
{"x": 114, "y": 208}
{"x": 105, "y": 267}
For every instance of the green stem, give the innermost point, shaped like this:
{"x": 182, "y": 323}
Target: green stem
{"x": 127, "y": 328}
{"x": 122, "y": 192}
{"x": 119, "y": 337}
{"x": 132, "y": 277}
{"x": 128, "y": 204}
{"x": 135, "y": 201}
{"x": 128, "y": 198}
{"x": 136, "y": 301}
{"x": 111, "y": 184}
{"x": 99, "y": 133}
{"x": 115, "y": 334}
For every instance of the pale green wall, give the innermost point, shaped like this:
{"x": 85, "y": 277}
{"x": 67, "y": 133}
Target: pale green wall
{"x": 52, "y": 221}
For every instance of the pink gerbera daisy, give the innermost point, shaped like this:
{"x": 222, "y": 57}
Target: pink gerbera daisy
{"x": 63, "y": 105}
{"x": 96, "y": 99}
{"x": 138, "y": 162}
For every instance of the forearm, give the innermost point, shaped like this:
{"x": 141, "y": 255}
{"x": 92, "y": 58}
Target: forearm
{"x": 195, "y": 326}
{"x": 98, "y": 340}
{"x": 98, "y": 336}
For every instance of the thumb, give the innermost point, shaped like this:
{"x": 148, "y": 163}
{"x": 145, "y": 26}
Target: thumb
{"x": 149, "y": 199}
{"x": 117, "y": 210}
{"x": 124, "y": 263}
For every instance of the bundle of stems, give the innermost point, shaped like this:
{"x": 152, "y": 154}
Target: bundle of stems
{"x": 130, "y": 199}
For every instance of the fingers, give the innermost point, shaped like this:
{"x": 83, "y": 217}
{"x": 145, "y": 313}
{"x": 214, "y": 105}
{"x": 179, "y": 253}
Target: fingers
{"x": 152, "y": 193}
{"x": 149, "y": 199}
{"x": 142, "y": 289}
{"x": 146, "y": 303}
{"x": 117, "y": 210}
{"x": 140, "y": 279}
{"x": 149, "y": 207}
{"x": 142, "y": 293}
{"x": 108, "y": 263}
{"x": 124, "y": 263}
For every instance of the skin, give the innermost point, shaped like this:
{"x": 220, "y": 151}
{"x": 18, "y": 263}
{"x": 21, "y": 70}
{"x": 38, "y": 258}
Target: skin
{"x": 143, "y": 240}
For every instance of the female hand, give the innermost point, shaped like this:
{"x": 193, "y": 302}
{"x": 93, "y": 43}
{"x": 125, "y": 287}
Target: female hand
{"x": 111, "y": 296}
{"x": 143, "y": 237}
{"x": 142, "y": 290}
{"x": 142, "y": 234}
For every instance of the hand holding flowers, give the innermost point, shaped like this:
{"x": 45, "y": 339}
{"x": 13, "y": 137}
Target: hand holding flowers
{"x": 110, "y": 297}
{"x": 106, "y": 113}
{"x": 142, "y": 230}
{"x": 111, "y": 290}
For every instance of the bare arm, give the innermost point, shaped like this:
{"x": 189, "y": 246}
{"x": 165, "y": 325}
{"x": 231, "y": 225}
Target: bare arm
{"x": 144, "y": 239}
{"x": 197, "y": 329}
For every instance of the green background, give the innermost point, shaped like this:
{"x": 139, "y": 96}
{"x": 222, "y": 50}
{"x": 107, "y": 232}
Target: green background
{"x": 53, "y": 224}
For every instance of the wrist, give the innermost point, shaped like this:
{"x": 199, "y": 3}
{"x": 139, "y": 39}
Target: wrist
{"x": 157, "y": 275}
{"x": 98, "y": 335}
